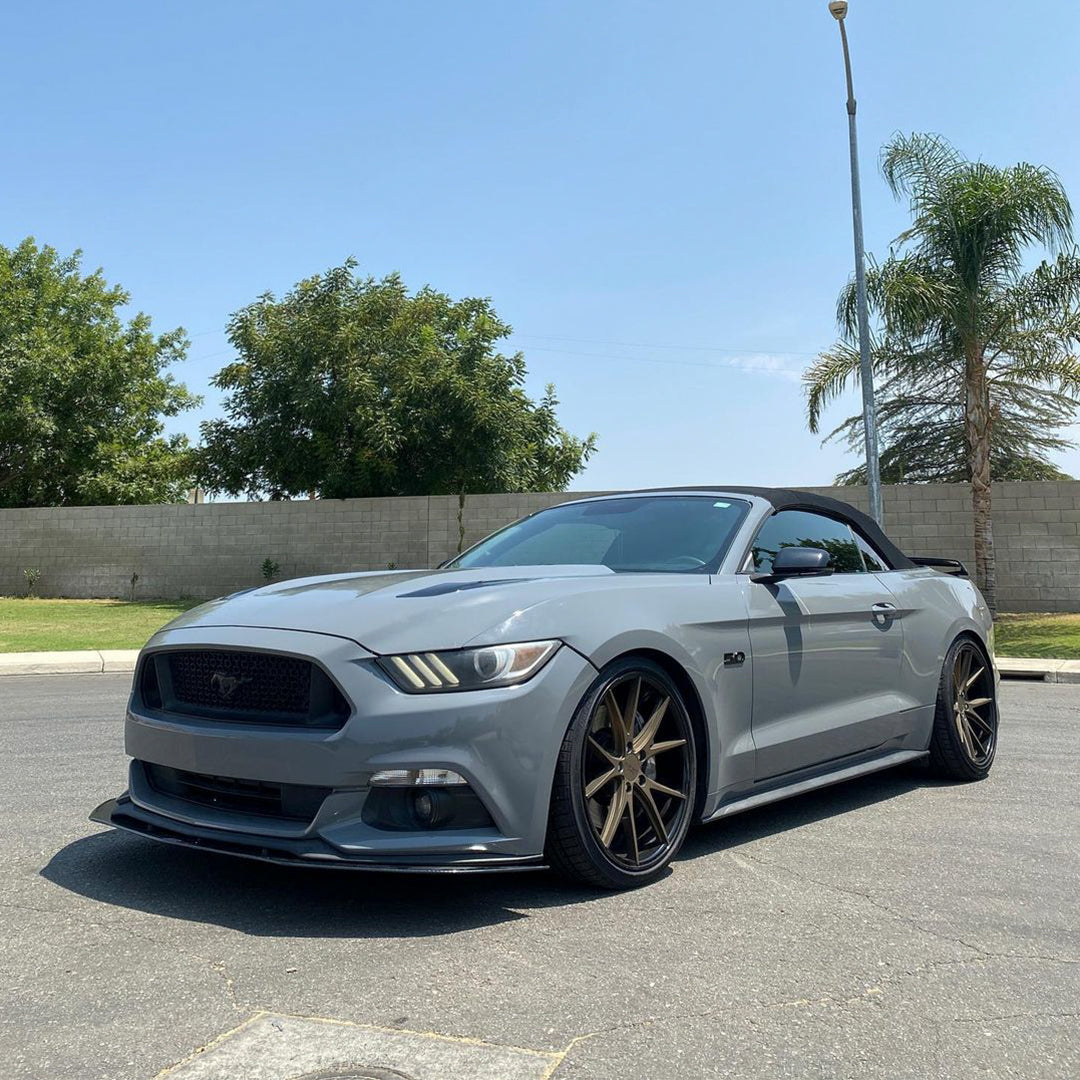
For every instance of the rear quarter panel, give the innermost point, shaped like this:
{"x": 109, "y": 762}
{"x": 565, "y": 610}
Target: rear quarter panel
{"x": 936, "y": 609}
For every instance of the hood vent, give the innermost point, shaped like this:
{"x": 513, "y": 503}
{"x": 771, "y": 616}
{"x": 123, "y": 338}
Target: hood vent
{"x": 444, "y": 588}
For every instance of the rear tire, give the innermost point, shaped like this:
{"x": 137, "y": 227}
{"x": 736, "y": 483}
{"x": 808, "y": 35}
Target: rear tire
{"x": 964, "y": 739}
{"x": 625, "y": 780}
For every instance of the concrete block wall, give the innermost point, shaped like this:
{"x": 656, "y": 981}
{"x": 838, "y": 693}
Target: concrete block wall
{"x": 1036, "y": 535}
{"x": 215, "y": 548}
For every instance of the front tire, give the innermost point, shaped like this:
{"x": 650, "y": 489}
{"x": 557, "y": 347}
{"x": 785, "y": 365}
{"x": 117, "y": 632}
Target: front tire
{"x": 964, "y": 740}
{"x": 625, "y": 780}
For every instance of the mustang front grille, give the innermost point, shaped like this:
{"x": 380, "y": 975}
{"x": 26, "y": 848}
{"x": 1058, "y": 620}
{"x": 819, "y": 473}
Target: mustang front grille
{"x": 242, "y": 686}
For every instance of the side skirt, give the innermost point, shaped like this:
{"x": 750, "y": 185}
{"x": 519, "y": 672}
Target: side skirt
{"x": 812, "y": 783}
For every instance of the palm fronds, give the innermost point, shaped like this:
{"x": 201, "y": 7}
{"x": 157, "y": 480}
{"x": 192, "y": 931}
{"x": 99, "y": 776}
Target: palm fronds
{"x": 962, "y": 324}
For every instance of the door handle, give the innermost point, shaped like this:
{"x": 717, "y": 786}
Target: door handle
{"x": 883, "y": 612}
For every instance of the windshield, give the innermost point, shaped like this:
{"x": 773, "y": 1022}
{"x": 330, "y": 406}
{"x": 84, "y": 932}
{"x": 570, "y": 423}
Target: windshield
{"x": 664, "y": 533}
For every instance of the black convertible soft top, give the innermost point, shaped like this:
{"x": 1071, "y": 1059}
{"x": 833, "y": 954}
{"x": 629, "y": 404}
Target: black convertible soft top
{"x": 793, "y": 499}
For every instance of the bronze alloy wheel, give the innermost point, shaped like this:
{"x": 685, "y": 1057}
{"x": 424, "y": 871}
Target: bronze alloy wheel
{"x": 973, "y": 706}
{"x": 965, "y": 732}
{"x": 634, "y": 771}
{"x": 626, "y": 779}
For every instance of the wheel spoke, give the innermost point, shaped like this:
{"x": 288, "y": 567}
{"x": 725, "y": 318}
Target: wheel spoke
{"x": 635, "y": 850}
{"x": 655, "y": 785}
{"x": 652, "y": 813}
{"x": 660, "y": 747}
{"x": 982, "y": 721}
{"x": 648, "y": 732}
{"x": 630, "y": 714}
{"x": 615, "y": 719}
{"x": 961, "y": 727}
{"x": 978, "y": 702}
{"x": 611, "y": 759}
{"x": 973, "y": 742}
{"x": 971, "y": 679}
{"x": 595, "y": 785}
{"x": 614, "y": 815}
{"x": 963, "y": 663}
{"x": 979, "y": 742}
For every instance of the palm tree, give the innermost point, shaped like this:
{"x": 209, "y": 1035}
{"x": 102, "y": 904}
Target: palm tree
{"x": 954, "y": 294}
{"x": 922, "y": 434}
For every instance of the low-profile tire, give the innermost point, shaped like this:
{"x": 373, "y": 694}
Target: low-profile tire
{"x": 964, "y": 739}
{"x": 625, "y": 779}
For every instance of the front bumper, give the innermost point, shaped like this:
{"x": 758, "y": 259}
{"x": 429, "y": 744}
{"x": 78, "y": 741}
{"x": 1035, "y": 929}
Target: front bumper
{"x": 504, "y": 742}
{"x": 121, "y": 813}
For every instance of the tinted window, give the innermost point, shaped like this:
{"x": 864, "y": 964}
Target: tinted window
{"x": 874, "y": 562}
{"x": 798, "y": 528}
{"x": 666, "y": 533}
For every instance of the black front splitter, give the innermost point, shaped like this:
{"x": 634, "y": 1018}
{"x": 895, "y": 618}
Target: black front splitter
{"x": 121, "y": 813}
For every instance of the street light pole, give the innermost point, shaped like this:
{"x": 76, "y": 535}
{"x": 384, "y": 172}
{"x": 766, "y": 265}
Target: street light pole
{"x": 838, "y": 9}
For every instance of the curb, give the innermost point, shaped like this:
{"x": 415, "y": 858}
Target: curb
{"x": 85, "y": 662}
{"x": 1053, "y": 671}
{"x": 118, "y": 661}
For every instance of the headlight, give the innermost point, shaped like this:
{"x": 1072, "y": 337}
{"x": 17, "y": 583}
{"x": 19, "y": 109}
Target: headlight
{"x": 468, "y": 669}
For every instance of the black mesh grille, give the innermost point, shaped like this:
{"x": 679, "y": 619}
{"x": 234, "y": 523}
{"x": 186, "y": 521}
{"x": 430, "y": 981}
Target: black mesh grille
{"x": 246, "y": 681}
{"x": 241, "y": 686}
{"x": 295, "y": 802}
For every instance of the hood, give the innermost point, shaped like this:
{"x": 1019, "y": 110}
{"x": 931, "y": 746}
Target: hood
{"x": 405, "y": 611}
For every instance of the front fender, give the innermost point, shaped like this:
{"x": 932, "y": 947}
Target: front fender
{"x": 690, "y": 619}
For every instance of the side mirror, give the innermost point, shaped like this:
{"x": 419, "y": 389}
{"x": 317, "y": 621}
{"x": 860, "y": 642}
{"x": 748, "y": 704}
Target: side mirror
{"x": 797, "y": 562}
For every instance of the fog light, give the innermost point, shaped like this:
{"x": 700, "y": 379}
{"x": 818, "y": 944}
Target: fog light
{"x": 412, "y": 807}
{"x": 416, "y": 778}
{"x": 426, "y": 808}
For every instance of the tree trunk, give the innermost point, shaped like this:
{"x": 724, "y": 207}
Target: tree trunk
{"x": 978, "y": 421}
{"x": 461, "y": 520}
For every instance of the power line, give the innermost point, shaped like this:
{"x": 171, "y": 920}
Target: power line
{"x": 720, "y": 365}
{"x": 685, "y": 348}
{"x": 749, "y": 354}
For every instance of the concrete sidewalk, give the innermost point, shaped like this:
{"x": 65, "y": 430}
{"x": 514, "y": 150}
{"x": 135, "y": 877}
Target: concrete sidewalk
{"x": 84, "y": 662}
{"x": 108, "y": 661}
{"x": 1059, "y": 671}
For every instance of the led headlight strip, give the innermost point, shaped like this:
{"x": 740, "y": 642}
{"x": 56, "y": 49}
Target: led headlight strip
{"x": 468, "y": 669}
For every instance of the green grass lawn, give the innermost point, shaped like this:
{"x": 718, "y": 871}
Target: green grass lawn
{"x": 32, "y": 625}
{"x": 46, "y": 625}
{"x": 1054, "y": 637}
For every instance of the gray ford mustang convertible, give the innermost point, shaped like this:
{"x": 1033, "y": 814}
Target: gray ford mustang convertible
{"x": 576, "y": 690}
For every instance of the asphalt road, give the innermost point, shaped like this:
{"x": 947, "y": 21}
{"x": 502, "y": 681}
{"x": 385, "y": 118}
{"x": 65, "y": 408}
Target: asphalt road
{"x": 892, "y": 927}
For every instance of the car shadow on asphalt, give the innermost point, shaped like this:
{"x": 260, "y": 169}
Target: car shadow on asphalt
{"x": 745, "y": 828}
{"x": 267, "y": 900}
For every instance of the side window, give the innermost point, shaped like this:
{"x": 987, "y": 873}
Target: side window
{"x": 799, "y": 528}
{"x": 874, "y": 562}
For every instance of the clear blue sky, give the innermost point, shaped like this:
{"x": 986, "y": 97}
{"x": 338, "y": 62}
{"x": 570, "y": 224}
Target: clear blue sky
{"x": 654, "y": 194}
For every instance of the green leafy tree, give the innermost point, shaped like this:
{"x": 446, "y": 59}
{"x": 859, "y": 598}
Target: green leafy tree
{"x": 959, "y": 312}
{"x": 349, "y": 387}
{"x": 82, "y": 395}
